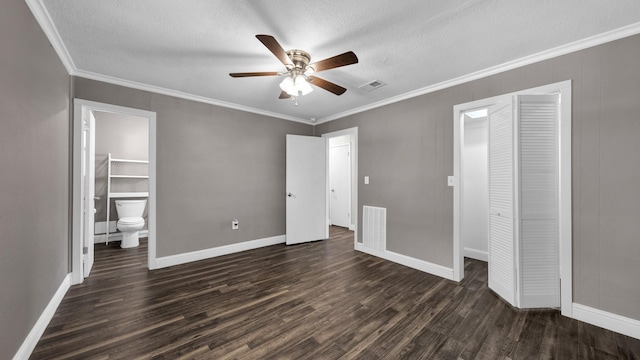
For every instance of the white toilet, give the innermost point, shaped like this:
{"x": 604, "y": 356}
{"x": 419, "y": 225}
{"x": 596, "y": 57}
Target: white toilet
{"x": 130, "y": 221}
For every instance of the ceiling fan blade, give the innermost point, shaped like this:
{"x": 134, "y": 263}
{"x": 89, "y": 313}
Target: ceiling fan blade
{"x": 327, "y": 85}
{"x": 272, "y": 44}
{"x": 246, "y": 74}
{"x": 347, "y": 58}
{"x": 284, "y": 95}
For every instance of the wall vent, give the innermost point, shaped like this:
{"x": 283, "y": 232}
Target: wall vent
{"x": 372, "y": 85}
{"x": 374, "y": 227}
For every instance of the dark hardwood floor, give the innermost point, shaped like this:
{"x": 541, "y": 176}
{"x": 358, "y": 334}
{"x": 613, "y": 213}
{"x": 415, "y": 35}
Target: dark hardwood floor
{"x": 320, "y": 300}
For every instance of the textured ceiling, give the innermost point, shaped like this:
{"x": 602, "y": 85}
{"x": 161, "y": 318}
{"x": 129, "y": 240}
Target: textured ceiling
{"x": 190, "y": 46}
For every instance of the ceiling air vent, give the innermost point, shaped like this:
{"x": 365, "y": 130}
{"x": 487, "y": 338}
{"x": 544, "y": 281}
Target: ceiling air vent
{"x": 372, "y": 85}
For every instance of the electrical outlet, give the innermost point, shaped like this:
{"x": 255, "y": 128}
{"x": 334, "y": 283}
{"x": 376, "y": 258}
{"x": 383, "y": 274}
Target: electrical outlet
{"x": 234, "y": 224}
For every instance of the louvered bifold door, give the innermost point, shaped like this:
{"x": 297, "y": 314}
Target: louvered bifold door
{"x": 501, "y": 225}
{"x": 538, "y": 201}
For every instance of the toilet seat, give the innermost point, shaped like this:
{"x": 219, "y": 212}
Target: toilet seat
{"x": 131, "y": 221}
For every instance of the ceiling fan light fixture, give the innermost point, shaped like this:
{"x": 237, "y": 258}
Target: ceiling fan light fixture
{"x": 299, "y": 72}
{"x": 287, "y": 85}
{"x": 302, "y": 85}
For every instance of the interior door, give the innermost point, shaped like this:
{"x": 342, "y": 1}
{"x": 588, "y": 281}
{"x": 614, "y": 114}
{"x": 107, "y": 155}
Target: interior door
{"x": 306, "y": 189}
{"x": 501, "y": 202}
{"x": 539, "y": 275}
{"x": 340, "y": 196}
{"x": 88, "y": 191}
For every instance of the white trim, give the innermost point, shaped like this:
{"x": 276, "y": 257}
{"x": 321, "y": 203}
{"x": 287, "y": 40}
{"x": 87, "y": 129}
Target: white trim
{"x": 76, "y": 230}
{"x": 607, "y": 320}
{"x": 476, "y": 254}
{"x": 354, "y": 152}
{"x": 582, "y": 44}
{"x": 197, "y": 255}
{"x": 151, "y": 200}
{"x": 424, "y": 266}
{"x": 43, "y": 321}
{"x": 183, "y": 95}
{"x": 76, "y": 242}
{"x": 43, "y": 18}
{"x": 565, "y": 220}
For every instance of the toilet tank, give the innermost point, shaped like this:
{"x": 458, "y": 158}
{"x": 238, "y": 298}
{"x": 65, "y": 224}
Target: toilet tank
{"x": 130, "y": 208}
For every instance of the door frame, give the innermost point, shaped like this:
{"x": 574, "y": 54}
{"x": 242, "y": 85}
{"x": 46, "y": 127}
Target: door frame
{"x": 354, "y": 175}
{"x": 80, "y": 106}
{"x": 564, "y": 190}
{"x": 350, "y": 205}
{"x": 87, "y": 189}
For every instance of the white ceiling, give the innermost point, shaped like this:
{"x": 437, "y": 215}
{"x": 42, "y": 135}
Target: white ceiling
{"x": 190, "y": 46}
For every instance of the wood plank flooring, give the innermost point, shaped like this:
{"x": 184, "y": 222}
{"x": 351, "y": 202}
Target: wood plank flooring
{"x": 320, "y": 300}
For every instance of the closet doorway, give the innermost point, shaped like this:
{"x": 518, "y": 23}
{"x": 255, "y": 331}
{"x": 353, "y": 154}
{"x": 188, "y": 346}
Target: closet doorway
{"x": 509, "y": 206}
{"x": 89, "y": 202}
{"x": 474, "y": 228}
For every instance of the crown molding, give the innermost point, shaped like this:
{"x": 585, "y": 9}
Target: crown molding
{"x": 182, "y": 95}
{"x": 43, "y": 18}
{"x": 46, "y": 23}
{"x": 599, "y": 39}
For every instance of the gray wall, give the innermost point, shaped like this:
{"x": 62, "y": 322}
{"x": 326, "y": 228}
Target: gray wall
{"x": 125, "y": 137}
{"x": 407, "y": 149}
{"x": 34, "y": 157}
{"x": 213, "y": 165}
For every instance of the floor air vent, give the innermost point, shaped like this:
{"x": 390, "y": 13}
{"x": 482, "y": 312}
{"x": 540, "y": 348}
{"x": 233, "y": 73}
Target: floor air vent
{"x": 374, "y": 227}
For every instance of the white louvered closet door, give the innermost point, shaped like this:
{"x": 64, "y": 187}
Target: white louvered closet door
{"x": 501, "y": 223}
{"x": 538, "y": 201}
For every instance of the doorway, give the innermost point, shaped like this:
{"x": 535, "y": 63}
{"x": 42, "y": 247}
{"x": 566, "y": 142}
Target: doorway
{"x": 474, "y": 228}
{"x": 460, "y": 112}
{"x": 344, "y": 145}
{"x": 340, "y": 181}
{"x": 84, "y": 197}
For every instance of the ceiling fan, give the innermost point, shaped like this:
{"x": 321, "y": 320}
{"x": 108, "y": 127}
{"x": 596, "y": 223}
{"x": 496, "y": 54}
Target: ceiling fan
{"x": 299, "y": 71}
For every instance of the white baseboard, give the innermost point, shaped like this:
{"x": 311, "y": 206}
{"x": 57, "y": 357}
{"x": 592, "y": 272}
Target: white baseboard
{"x": 607, "y": 320}
{"x": 476, "y": 254}
{"x": 40, "y": 326}
{"x": 352, "y": 227}
{"x": 100, "y": 227}
{"x": 217, "y": 251}
{"x": 116, "y": 236}
{"x": 414, "y": 263}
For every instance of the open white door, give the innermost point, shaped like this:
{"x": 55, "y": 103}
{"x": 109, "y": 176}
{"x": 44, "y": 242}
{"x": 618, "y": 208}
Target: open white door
{"x": 88, "y": 190}
{"x": 340, "y": 196}
{"x": 306, "y": 189}
{"x": 501, "y": 202}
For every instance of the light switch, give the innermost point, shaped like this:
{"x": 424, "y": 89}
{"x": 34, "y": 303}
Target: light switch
{"x": 451, "y": 181}
{"x": 366, "y": 180}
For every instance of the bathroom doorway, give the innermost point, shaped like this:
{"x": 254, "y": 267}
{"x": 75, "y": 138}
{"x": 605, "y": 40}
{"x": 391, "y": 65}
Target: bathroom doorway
{"x": 104, "y": 133}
